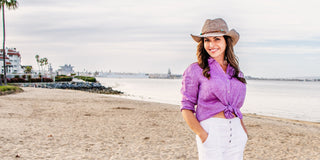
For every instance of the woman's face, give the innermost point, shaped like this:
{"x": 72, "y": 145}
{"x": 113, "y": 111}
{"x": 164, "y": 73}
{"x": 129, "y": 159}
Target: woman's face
{"x": 215, "y": 46}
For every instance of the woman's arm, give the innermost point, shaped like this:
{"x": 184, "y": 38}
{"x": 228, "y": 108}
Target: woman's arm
{"x": 244, "y": 127}
{"x": 194, "y": 124}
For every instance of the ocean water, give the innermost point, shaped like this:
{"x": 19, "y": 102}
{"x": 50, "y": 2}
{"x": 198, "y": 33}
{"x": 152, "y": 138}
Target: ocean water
{"x": 285, "y": 99}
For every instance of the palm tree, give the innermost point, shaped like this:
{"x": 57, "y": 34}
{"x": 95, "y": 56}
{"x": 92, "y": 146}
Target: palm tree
{"x": 43, "y": 63}
{"x": 28, "y": 69}
{"x": 10, "y": 4}
{"x": 38, "y": 61}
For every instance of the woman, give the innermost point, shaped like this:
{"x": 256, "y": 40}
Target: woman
{"x": 217, "y": 87}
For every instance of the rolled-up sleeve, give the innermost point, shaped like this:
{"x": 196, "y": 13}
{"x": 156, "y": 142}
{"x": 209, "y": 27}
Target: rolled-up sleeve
{"x": 189, "y": 89}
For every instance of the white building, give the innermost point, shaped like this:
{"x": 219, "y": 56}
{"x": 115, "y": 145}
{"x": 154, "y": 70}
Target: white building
{"x": 66, "y": 70}
{"x": 13, "y": 61}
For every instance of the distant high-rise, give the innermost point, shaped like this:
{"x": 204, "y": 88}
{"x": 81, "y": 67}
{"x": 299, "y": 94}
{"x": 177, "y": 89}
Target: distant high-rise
{"x": 169, "y": 73}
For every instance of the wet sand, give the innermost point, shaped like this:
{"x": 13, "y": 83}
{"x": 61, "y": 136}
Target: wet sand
{"x": 67, "y": 124}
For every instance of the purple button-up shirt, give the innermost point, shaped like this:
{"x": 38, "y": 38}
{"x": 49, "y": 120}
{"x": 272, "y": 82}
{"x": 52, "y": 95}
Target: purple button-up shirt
{"x": 222, "y": 92}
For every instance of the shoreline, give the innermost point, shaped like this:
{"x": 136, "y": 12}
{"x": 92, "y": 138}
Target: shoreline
{"x": 70, "y": 124}
{"x": 137, "y": 98}
{"x": 255, "y": 102}
{"x": 281, "y": 119}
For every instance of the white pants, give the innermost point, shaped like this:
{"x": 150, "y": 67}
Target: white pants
{"x": 226, "y": 139}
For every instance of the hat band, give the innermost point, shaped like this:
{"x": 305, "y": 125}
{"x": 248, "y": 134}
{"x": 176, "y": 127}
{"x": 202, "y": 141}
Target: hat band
{"x": 220, "y": 31}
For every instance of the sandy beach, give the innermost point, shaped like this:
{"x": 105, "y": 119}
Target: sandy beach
{"x": 67, "y": 124}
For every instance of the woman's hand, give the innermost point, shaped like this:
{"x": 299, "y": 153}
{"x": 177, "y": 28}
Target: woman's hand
{"x": 203, "y": 136}
{"x": 194, "y": 124}
{"x": 244, "y": 128}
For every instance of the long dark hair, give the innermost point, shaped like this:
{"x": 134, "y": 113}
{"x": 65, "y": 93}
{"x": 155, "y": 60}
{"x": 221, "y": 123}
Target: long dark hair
{"x": 231, "y": 58}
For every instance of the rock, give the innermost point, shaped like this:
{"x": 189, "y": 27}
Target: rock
{"x": 94, "y": 87}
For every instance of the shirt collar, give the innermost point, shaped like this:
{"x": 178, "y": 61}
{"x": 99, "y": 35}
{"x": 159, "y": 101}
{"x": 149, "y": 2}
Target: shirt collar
{"x": 230, "y": 70}
{"x": 211, "y": 60}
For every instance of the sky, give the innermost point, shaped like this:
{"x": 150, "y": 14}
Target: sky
{"x": 277, "y": 38}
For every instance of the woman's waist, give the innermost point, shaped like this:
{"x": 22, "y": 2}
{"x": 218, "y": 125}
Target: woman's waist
{"x": 217, "y": 108}
{"x": 222, "y": 115}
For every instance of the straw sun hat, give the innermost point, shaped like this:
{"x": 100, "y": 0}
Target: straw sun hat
{"x": 216, "y": 27}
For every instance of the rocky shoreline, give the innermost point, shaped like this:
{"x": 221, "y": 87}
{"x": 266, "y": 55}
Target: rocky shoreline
{"x": 94, "y": 87}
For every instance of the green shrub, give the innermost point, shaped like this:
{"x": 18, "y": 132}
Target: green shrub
{"x": 91, "y": 79}
{"x": 85, "y": 78}
{"x": 63, "y": 78}
{"x": 9, "y": 88}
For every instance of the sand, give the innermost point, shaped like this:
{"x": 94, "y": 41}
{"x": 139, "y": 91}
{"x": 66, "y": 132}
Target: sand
{"x": 66, "y": 124}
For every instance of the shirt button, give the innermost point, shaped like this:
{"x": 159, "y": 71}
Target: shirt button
{"x": 230, "y": 141}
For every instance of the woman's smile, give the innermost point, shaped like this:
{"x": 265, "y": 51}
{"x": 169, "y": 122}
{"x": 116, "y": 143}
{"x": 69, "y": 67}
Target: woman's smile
{"x": 213, "y": 50}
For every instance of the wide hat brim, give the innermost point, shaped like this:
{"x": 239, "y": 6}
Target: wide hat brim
{"x": 232, "y": 33}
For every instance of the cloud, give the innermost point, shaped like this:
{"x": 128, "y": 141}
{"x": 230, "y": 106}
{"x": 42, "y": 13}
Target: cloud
{"x": 119, "y": 34}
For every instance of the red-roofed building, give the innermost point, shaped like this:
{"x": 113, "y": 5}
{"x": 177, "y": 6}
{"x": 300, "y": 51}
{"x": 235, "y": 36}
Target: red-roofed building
{"x": 13, "y": 61}
{"x": 1, "y": 56}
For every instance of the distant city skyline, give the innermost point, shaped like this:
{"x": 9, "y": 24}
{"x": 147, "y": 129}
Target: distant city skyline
{"x": 277, "y": 38}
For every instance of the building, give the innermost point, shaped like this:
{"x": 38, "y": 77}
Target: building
{"x": 66, "y": 70}
{"x": 1, "y": 63}
{"x": 13, "y": 61}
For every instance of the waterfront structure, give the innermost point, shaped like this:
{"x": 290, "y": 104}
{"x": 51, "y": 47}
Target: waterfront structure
{"x": 110, "y": 74}
{"x": 13, "y": 61}
{"x": 66, "y": 70}
{"x": 169, "y": 75}
{"x": 121, "y": 75}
